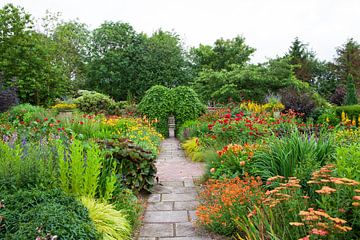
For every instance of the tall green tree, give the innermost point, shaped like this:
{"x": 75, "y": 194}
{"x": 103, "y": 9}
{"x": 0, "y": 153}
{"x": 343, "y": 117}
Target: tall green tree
{"x": 167, "y": 62}
{"x": 222, "y": 55}
{"x": 250, "y": 82}
{"x": 124, "y": 62}
{"x": 116, "y": 60}
{"x": 347, "y": 62}
{"x": 350, "y": 97}
{"x": 28, "y": 59}
{"x": 72, "y": 40}
{"x": 304, "y": 62}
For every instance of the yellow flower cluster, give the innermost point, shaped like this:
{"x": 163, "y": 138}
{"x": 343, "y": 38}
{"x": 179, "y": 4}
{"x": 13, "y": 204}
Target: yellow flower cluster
{"x": 259, "y": 108}
{"x": 347, "y": 121}
{"x": 64, "y": 106}
{"x": 347, "y": 136}
{"x": 110, "y": 121}
{"x": 253, "y": 107}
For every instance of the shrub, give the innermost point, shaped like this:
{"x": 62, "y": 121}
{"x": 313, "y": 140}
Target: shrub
{"x": 126, "y": 202}
{"x": 33, "y": 213}
{"x": 112, "y": 224}
{"x": 157, "y": 105}
{"x": 338, "y": 96}
{"x": 192, "y": 149}
{"x": 8, "y": 98}
{"x": 186, "y": 104}
{"x": 28, "y": 113}
{"x": 94, "y": 102}
{"x": 190, "y": 129}
{"x": 232, "y": 161}
{"x": 348, "y": 161}
{"x": 135, "y": 166}
{"x": 301, "y": 102}
{"x": 26, "y": 165}
{"x": 329, "y": 116}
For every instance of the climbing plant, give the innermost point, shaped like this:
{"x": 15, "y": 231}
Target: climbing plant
{"x": 160, "y": 102}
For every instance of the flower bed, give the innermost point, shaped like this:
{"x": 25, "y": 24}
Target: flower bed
{"x": 98, "y": 161}
{"x": 272, "y": 176}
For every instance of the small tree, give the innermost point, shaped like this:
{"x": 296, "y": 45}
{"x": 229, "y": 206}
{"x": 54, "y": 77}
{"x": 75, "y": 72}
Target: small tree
{"x": 350, "y": 98}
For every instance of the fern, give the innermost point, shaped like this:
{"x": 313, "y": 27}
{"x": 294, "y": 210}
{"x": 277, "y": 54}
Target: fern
{"x": 77, "y": 166}
{"x": 92, "y": 170}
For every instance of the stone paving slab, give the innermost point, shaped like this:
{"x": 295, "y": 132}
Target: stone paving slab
{"x": 185, "y": 230}
{"x": 161, "y": 206}
{"x": 157, "y": 230}
{"x": 190, "y": 205}
{"x": 170, "y": 212}
{"x": 165, "y": 216}
{"x": 179, "y": 197}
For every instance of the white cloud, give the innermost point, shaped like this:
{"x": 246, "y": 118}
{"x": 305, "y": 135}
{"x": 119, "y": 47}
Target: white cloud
{"x": 268, "y": 25}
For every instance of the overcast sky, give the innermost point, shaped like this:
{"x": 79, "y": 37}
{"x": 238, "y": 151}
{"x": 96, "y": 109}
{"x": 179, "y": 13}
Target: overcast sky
{"x": 268, "y": 25}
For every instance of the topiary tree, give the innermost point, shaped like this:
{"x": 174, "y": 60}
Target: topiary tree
{"x": 350, "y": 97}
{"x": 186, "y": 104}
{"x": 160, "y": 102}
{"x": 157, "y": 105}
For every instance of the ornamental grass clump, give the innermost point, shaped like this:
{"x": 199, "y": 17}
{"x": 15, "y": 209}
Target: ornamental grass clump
{"x": 112, "y": 224}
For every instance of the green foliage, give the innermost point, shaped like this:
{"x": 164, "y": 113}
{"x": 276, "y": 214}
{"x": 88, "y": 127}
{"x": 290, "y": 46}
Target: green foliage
{"x": 222, "y": 55}
{"x": 238, "y": 82}
{"x": 94, "y": 102}
{"x": 192, "y": 149}
{"x": 123, "y": 61}
{"x": 80, "y": 170}
{"x": 350, "y": 97}
{"x": 352, "y": 111}
{"x": 126, "y": 202}
{"x": 185, "y": 104}
{"x": 29, "y": 60}
{"x": 189, "y": 129}
{"x": 329, "y": 116}
{"x": 166, "y": 63}
{"x": 347, "y": 62}
{"x": 305, "y": 65}
{"x": 72, "y": 40}
{"x": 33, "y": 213}
{"x": 26, "y": 165}
{"x": 28, "y": 113}
{"x": 288, "y": 155}
{"x": 135, "y": 167}
{"x": 160, "y": 102}
{"x": 157, "y": 104}
{"x": 112, "y": 224}
{"x": 348, "y": 161}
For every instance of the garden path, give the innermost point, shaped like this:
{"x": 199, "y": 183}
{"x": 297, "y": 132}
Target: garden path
{"x": 170, "y": 213}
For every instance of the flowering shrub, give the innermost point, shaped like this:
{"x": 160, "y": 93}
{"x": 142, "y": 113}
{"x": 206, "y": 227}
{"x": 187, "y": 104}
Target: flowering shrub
{"x": 223, "y": 200}
{"x": 232, "y": 161}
